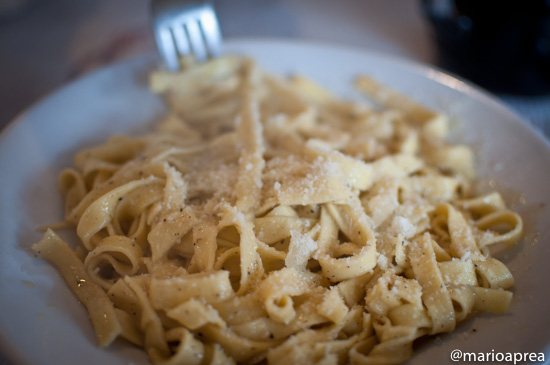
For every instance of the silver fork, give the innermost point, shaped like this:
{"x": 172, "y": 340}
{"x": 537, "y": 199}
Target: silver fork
{"x": 184, "y": 27}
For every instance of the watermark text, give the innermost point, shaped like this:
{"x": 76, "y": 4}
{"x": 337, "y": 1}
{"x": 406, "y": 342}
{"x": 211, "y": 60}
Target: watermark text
{"x": 495, "y": 356}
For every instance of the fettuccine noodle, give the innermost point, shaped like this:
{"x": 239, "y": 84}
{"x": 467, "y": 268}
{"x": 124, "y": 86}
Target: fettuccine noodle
{"x": 266, "y": 221}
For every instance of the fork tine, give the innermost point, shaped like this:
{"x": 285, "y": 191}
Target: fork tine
{"x": 184, "y": 27}
{"x": 212, "y": 33}
{"x": 167, "y": 48}
{"x": 196, "y": 40}
{"x": 180, "y": 37}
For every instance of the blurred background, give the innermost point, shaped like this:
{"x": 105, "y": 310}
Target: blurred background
{"x": 502, "y": 45}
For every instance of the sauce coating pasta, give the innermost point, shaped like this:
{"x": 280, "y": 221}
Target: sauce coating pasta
{"x": 267, "y": 221}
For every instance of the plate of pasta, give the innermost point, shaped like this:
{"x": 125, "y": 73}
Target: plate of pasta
{"x": 285, "y": 203}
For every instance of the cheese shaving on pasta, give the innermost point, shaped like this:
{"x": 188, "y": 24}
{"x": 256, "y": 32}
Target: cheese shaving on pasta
{"x": 267, "y": 221}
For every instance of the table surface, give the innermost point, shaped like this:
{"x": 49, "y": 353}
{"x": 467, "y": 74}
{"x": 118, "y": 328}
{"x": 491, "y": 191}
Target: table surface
{"x": 47, "y": 44}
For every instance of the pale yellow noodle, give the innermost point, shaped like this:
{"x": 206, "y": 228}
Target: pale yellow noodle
{"x": 267, "y": 221}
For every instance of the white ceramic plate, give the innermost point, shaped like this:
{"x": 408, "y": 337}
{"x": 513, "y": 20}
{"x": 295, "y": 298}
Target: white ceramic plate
{"x": 42, "y": 323}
